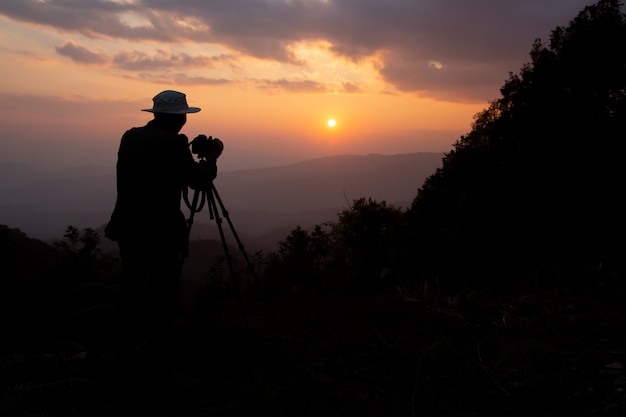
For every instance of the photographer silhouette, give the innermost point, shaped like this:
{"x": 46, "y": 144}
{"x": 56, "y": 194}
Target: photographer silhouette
{"x": 154, "y": 166}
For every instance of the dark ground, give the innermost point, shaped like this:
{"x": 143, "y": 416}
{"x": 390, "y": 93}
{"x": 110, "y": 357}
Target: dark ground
{"x": 544, "y": 354}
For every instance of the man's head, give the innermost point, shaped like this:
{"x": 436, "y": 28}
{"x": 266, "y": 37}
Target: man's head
{"x": 171, "y": 102}
{"x": 171, "y": 108}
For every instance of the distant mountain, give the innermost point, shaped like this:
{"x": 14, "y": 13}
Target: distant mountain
{"x": 263, "y": 204}
{"x": 329, "y": 182}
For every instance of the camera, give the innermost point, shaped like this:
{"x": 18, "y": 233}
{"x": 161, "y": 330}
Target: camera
{"x": 207, "y": 147}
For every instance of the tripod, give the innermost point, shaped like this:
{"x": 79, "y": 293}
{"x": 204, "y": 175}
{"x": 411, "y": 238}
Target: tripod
{"x": 210, "y": 196}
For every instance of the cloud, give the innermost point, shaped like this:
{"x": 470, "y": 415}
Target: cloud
{"x": 304, "y": 86}
{"x": 351, "y": 88}
{"x": 178, "y": 78}
{"x": 435, "y": 65}
{"x": 81, "y": 54}
{"x": 184, "y": 79}
{"x": 138, "y": 61}
{"x": 445, "y": 49}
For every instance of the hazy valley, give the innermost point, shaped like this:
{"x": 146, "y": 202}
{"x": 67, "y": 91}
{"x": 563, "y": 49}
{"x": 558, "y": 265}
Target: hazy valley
{"x": 263, "y": 204}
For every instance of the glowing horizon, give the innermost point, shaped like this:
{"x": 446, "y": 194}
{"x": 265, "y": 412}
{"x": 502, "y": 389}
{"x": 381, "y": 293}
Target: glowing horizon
{"x": 267, "y": 81}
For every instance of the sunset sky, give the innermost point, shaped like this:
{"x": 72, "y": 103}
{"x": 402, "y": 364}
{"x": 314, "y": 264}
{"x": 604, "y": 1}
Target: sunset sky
{"x": 397, "y": 76}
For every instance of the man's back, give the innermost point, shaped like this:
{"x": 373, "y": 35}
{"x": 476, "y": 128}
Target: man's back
{"x": 154, "y": 165}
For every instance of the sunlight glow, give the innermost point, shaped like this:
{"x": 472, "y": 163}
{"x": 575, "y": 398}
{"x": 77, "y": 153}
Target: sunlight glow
{"x": 324, "y": 67}
{"x": 134, "y": 20}
{"x": 192, "y": 24}
{"x": 331, "y": 122}
{"x": 435, "y": 65}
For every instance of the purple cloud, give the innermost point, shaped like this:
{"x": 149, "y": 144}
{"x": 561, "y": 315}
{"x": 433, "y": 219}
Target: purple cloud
{"x": 446, "y": 49}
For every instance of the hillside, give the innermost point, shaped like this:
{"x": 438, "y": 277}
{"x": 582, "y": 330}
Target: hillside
{"x": 542, "y": 353}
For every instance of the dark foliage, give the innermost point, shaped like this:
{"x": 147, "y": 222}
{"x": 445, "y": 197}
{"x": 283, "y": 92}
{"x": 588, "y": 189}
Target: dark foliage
{"x": 539, "y": 180}
{"x": 353, "y": 254}
{"x": 48, "y": 289}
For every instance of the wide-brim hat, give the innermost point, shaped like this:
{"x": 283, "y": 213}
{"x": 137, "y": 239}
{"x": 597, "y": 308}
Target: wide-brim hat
{"x": 173, "y": 102}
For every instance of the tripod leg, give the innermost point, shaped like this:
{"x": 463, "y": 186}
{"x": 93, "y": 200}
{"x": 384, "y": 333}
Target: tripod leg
{"x": 215, "y": 196}
{"x": 218, "y": 220}
{"x": 193, "y": 209}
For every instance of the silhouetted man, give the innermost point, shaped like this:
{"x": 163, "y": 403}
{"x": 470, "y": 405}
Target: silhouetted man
{"x": 154, "y": 166}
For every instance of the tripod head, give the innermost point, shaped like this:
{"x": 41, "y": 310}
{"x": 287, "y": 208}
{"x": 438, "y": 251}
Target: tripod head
{"x": 207, "y": 149}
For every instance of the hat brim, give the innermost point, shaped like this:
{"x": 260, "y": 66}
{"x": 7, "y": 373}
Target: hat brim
{"x": 182, "y": 111}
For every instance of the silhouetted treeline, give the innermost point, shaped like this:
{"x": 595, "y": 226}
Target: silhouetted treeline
{"x": 69, "y": 289}
{"x": 49, "y": 289}
{"x": 350, "y": 255}
{"x": 539, "y": 181}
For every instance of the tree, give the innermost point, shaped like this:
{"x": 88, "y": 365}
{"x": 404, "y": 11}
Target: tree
{"x": 539, "y": 177}
{"x": 301, "y": 262}
{"x": 84, "y": 245}
{"x": 365, "y": 236}
{"x": 351, "y": 254}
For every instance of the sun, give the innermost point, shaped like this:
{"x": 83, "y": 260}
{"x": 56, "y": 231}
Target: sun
{"x": 331, "y": 123}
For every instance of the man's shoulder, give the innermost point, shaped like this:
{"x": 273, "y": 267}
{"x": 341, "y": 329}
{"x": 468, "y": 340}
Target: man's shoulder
{"x": 136, "y": 130}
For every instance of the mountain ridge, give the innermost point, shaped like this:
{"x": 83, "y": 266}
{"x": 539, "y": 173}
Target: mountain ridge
{"x": 259, "y": 200}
